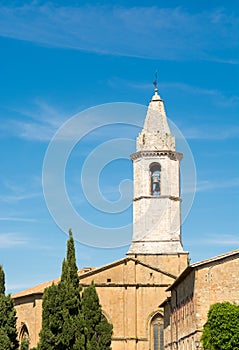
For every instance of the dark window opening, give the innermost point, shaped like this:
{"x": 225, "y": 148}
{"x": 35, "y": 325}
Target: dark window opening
{"x": 157, "y": 328}
{"x": 155, "y": 170}
{"x": 156, "y": 337}
{"x": 24, "y": 336}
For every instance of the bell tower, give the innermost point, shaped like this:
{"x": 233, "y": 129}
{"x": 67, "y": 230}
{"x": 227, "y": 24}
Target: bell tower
{"x": 156, "y": 202}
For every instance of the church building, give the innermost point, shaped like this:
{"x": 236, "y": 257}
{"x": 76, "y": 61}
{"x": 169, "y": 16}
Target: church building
{"x": 133, "y": 290}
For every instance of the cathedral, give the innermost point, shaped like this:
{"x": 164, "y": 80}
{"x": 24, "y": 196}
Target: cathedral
{"x": 144, "y": 293}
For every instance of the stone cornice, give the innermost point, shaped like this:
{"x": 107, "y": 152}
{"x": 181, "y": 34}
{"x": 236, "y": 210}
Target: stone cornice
{"x": 173, "y": 198}
{"x": 129, "y": 339}
{"x": 126, "y": 285}
{"x": 157, "y": 153}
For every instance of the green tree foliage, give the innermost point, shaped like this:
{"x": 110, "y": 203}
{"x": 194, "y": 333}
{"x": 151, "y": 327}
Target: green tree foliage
{"x": 221, "y": 331}
{"x": 97, "y": 329}
{"x": 69, "y": 322}
{"x": 61, "y": 318}
{"x": 72, "y": 274}
{"x": 8, "y": 331}
{"x": 2, "y": 281}
{"x": 50, "y": 335}
{"x": 25, "y": 344}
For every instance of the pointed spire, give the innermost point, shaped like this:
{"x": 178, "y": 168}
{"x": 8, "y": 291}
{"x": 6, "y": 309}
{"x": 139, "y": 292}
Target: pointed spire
{"x": 156, "y": 132}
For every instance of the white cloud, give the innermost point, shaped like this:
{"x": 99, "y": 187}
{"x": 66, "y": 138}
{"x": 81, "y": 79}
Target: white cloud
{"x": 205, "y": 132}
{"x": 119, "y": 82}
{"x": 222, "y": 239}
{"x": 10, "y": 218}
{"x": 13, "y": 192}
{"x": 217, "y": 96}
{"x": 38, "y": 122}
{"x": 33, "y": 131}
{"x": 216, "y": 239}
{"x": 207, "y": 185}
{"x": 166, "y": 33}
{"x": 41, "y": 121}
{"x": 19, "y": 197}
{"x": 8, "y": 240}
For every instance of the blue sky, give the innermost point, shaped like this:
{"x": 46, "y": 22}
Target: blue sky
{"x": 59, "y": 58}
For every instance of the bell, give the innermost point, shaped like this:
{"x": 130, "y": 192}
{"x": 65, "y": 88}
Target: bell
{"x": 155, "y": 178}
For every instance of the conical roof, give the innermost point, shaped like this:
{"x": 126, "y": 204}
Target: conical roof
{"x": 156, "y": 134}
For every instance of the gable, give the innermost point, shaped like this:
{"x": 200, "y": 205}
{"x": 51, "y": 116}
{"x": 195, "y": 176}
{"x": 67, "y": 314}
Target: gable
{"x": 127, "y": 271}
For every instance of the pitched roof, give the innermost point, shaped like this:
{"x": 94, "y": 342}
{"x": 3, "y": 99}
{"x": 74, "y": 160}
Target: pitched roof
{"x": 122, "y": 261}
{"x": 39, "y": 289}
{"x": 234, "y": 254}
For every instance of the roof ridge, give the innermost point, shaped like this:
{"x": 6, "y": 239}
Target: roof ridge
{"x": 214, "y": 258}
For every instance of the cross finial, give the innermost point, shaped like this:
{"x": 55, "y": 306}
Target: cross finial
{"x": 155, "y": 83}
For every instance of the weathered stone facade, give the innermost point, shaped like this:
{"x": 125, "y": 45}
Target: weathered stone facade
{"x": 199, "y": 286}
{"x": 130, "y": 291}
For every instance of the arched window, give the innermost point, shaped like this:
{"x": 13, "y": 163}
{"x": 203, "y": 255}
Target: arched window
{"x": 155, "y": 170}
{"x": 24, "y": 336}
{"x": 157, "y": 333}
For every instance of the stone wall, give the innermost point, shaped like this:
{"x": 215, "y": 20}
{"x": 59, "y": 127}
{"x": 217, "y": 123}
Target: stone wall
{"x": 29, "y": 310}
{"x": 130, "y": 291}
{"x": 132, "y": 295}
{"x": 216, "y": 282}
{"x": 206, "y": 283}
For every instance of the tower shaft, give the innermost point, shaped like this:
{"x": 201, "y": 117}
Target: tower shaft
{"x": 156, "y": 202}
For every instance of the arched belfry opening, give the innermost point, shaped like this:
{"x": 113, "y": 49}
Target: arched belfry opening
{"x": 155, "y": 178}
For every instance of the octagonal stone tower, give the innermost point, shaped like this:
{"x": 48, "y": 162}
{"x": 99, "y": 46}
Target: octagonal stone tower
{"x": 157, "y": 202}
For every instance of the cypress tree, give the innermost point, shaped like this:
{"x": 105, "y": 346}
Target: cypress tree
{"x": 8, "y": 331}
{"x": 69, "y": 287}
{"x": 52, "y": 319}
{"x": 69, "y": 322}
{"x": 97, "y": 329}
{"x": 2, "y": 281}
{"x": 71, "y": 262}
{"x": 61, "y": 318}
